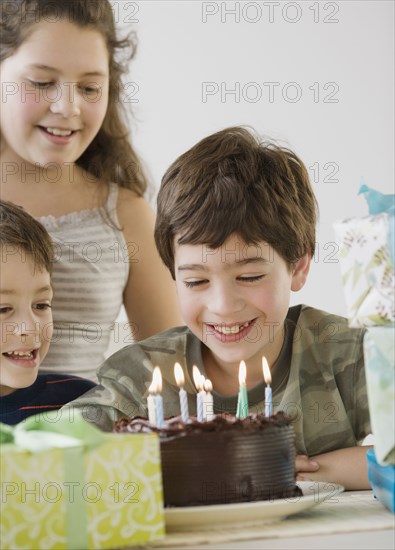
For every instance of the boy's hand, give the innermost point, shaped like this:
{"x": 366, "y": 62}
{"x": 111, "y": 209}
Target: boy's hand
{"x": 347, "y": 467}
{"x": 304, "y": 465}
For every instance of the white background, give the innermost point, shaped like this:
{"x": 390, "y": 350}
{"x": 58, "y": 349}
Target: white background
{"x": 317, "y": 77}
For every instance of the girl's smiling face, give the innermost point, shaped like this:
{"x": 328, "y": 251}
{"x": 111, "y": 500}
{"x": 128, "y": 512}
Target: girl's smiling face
{"x": 55, "y": 94}
{"x": 235, "y": 299}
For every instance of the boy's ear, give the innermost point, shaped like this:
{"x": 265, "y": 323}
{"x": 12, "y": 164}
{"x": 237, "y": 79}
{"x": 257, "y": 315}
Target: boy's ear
{"x": 300, "y": 272}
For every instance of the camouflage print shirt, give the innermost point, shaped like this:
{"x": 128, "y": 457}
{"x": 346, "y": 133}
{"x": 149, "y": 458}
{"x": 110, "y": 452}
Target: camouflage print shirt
{"x": 318, "y": 379}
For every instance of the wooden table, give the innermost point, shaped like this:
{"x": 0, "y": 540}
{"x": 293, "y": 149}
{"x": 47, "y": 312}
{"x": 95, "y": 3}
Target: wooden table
{"x": 351, "y": 520}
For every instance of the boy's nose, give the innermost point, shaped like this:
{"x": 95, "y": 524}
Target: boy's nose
{"x": 27, "y": 329}
{"x": 225, "y": 303}
{"x": 26, "y": 325}
{"x": 67, "y": 101}
{"x": 22, "y": 333}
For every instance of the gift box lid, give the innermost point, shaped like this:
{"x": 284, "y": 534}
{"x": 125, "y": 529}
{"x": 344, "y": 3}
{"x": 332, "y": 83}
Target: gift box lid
{"x": 382, "y": 480}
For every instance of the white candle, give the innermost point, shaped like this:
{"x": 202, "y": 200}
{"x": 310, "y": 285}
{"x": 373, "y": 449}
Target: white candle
{"x": 151, "y": 405}
{"x": 179, "y": 376}
{"x": 208, "y": 402}
{"x": 199, "y": 381}
{"x": 157, "y": 380}
{"x": 159, "y": 410}
{"x": 268, "y": 390}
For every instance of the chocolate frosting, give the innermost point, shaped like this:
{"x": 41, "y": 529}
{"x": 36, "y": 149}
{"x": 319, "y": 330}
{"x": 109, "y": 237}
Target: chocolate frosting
{"x": 225, "y": 460}
{"x": 174, "y": 426}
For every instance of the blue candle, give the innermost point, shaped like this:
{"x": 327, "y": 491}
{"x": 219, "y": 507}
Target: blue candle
{"x": 268, "y": 390}
{"x": 151, "y": 405}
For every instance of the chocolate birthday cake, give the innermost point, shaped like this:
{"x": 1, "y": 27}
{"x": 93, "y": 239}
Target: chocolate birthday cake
{"x": 224, "y": 460}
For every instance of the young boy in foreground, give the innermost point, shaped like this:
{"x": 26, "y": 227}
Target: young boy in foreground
{"x": 26, "y": 328}
{"x": 236, "y": 228}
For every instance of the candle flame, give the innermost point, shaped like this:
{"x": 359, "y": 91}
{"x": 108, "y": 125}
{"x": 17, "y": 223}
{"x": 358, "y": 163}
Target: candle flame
{"x": 197, "y": 378}
{"x": 208, "y": 387}
{"x": 157, "y": 380}
{"x": 179, "y": 375}
{"x": 242, "y": 372}
{"x": 266, "y": 371}
{"x": 152, "y": 388}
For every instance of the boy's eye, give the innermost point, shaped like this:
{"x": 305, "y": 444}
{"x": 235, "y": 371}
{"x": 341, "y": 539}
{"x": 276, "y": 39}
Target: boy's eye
{"x": 192, "y": 284}
{"x": 43, "y": 306}
{"x": 251, "y": 278}
{"x": 5, "y": 309}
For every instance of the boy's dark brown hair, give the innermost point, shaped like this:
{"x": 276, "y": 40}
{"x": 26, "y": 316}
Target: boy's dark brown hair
{"x": 21, "y": 233}
{"x": 233, "y": 182}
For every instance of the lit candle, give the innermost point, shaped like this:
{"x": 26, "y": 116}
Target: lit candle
{"x": 179, "y": 376}
{"x": 199, "y": 381}
{"x": 208, "y": 403}
{"x": 157, "y": 380}
{"x": 242, "y": 401}
{"x": 151, "y": 404}
{"x": 268, "y": 390}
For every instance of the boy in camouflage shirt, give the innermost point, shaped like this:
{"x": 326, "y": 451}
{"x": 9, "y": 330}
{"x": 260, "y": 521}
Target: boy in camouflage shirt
{"x": 235, "y": 226}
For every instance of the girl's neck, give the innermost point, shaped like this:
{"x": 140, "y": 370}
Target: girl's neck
{"x": 53, "y": 189}
{"x": 17, "y": 171}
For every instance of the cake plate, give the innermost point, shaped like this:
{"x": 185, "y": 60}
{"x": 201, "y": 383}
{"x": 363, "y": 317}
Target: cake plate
{"x": 250, "y": 513}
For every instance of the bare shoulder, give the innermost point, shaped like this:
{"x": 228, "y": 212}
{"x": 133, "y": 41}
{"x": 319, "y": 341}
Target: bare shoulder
{"x": 135, "y": 214}
{"x": 149, "y": 297}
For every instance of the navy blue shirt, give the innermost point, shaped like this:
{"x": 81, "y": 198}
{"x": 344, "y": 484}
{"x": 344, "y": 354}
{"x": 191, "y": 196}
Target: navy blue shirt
{"x": 49, "y": 392}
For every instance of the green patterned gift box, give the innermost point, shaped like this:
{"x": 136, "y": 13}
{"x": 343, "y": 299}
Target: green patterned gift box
{"x": 65, "y": 484}
{"x": 367, "y": 269}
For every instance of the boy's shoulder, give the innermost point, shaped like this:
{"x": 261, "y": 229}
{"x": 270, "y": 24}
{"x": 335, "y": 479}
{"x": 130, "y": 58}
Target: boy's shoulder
{"x": 58, "y": 389}
{"x": 163, "y": 348}
{"x": 64, "y": 380}
{"x": 324, "y": 335}
{"x": 48, "y": 392}
{"x": 165, "y": 342}
{"x": 318, "y": 320}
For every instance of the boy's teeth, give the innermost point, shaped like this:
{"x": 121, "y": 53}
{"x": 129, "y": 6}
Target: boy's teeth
{"x": 58, "y": 132}
{"x": 27, "y": 354}
{"x": 233, "y": 329}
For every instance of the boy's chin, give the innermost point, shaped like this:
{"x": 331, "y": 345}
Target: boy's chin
{"x": 6, "y": 390}
{"x": 9, "y": 385}
{"x": 231, "y": 357}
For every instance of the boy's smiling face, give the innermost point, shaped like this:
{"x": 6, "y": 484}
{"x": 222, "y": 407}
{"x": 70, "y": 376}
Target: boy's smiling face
{"x": 235, "y": 300}
{"x": 25, "y": 319}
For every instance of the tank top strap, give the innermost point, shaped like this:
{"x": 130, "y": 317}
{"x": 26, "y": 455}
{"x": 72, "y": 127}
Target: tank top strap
{"x": 112, "y": 198}
{"x": 111, "y": 204}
